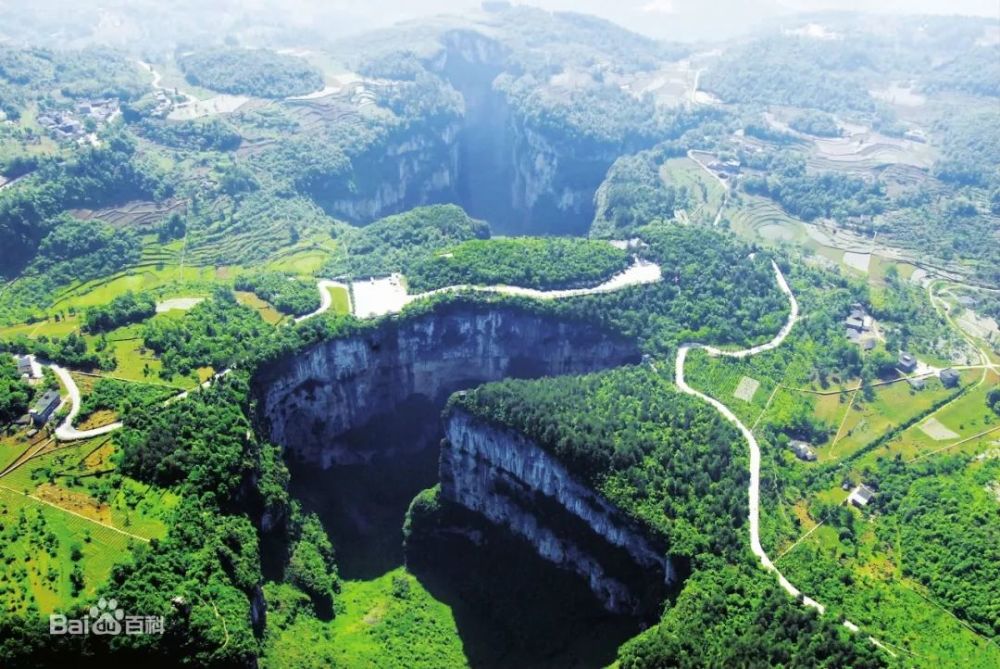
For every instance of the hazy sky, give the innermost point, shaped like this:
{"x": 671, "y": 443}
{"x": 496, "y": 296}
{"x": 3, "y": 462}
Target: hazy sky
{"x": 676, "y": 19}
{"x": 155, "y": 23}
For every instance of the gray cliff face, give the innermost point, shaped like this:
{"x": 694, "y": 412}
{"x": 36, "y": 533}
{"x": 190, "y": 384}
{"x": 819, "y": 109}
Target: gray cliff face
{"x": 499, "y": 474}
{"x": 419, "y": 167}
{"x": 312, "y": 400}
{"x": 492, "y": 161}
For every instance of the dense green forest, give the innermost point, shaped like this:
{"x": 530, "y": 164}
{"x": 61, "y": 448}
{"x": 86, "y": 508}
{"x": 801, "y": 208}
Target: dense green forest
{"x": 94, "y": 72}
{"x": 78, "y": 250}
{"x": 91, "y": 178}
{"x": 633, "y": 195}
{"x": 736, "y": 616}
{"x": 121, "y": 397}
{"x": 215, "y": 333}
{"x": 202, "y": 442}
{"x": 946, "y": 524}
{"x": 71, "y": 350}
{"x": 201, "y": 135}
{"x": 795, "y": 71}
{"x": 288, "y": 294}
{"x": 816, "y": 123}
{"x": 666, "y": 460}
{"x": 205, "y": 571}
{"x": 586, "y": 126}
{"x": 711, "y": 291}
{"x": 529, "y": 262}
{"x": 828, "y": 194}
{"x": 259, "y": 72}
{"x": 970, "y": 144}
{"x": 122, "y": 310}
{"x": 14, "y": 393}
{"x": 976, "y": 70}
{"x": 395, "y": 243}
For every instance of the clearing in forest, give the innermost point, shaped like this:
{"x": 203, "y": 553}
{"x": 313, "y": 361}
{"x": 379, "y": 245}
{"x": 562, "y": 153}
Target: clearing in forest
{"x": 858, "y": 261}
{"x": 746, "y": 389}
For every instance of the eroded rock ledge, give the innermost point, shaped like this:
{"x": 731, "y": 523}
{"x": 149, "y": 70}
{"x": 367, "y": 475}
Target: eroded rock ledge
{"x": 311, "y": 401}
{"x": 503, "y": 476}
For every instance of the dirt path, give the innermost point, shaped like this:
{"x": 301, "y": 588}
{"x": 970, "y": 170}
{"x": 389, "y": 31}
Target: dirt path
{"x": 722, "y": 182}
{"x": 157, "y": 77}
{"x": 74, "y": 513}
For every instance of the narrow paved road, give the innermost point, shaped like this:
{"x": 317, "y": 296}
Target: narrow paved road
{"x": 640, "y": 272}
{"x": 325, "y": 298}
{"x": 754, "y": 488}
{"x": 65, "y": 431}
{"x": 754, "y": 507}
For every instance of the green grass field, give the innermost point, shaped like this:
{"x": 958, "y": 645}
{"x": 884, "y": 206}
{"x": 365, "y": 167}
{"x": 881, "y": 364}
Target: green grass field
{"x": 391, "y": 621}
{"x": 262, "y": 307}
{"x": 706, "y": 193}
{"x": 341, "y": 300}
{"x": 59, "y": 514}
{"x": 720, "y": 377}
{"x": 70, "y": 476}
{"x": 39, "y": 561}
{"x": 967, "y": 416}
{"x": 861, "y": 580}
{"x": 893, "y": 405}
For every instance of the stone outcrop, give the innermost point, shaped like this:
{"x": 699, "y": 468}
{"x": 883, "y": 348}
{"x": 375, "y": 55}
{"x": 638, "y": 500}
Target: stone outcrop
{"x": 492, "y": 159}
{"x": 415, "y": 167}
{"x": 506, "y": 478}
{"x": 311, "y": 400}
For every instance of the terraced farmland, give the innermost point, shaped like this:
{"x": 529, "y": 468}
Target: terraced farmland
{"x": 134, "y": 214}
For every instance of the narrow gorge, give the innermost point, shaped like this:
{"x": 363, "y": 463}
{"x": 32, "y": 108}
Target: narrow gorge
{"x": 493, "y": 158}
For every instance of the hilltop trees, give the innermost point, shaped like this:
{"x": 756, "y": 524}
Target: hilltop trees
{"x": 530, "y": 262}
{"x": 287, "y": 294}
{"x": 260, "y": 72}
{"x": 129, "y": 307}
{"x": 736, "y": 616}
{"x": 14, "y": 393}
{"x": 92, "y": 177}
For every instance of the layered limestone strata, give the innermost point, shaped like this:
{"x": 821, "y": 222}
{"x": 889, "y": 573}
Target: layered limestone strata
{"x": 310, "y": 402}
{"x": 491, "y": 158}
{"x": 508, "y": 479}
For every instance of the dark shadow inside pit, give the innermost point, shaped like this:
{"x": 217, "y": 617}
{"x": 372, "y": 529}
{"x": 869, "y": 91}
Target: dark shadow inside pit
{"x": 514, "y": 609}
{"x": 378, "y": 427}
{"x": 362, "y": 506}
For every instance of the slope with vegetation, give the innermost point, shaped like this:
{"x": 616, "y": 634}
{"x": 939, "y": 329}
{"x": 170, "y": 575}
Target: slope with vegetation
{"x": 259, "y": 72}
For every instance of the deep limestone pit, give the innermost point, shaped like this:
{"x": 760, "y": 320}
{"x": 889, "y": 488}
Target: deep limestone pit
{"x": 360, "y": 421}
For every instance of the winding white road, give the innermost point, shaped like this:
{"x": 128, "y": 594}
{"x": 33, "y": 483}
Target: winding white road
{"x": 65, "y": 431}
{"x": 325, "y": 298}
{"x": 649, "y": 273}
{"x": 640, "y": 272}
{"x": 378, "y": 297}
{"x": 754, "y": 488}
{"x": 754, "y": 510}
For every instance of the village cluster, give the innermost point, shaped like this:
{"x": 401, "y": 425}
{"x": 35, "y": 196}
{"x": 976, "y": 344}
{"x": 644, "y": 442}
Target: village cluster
{"x": 81, "y": 122}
